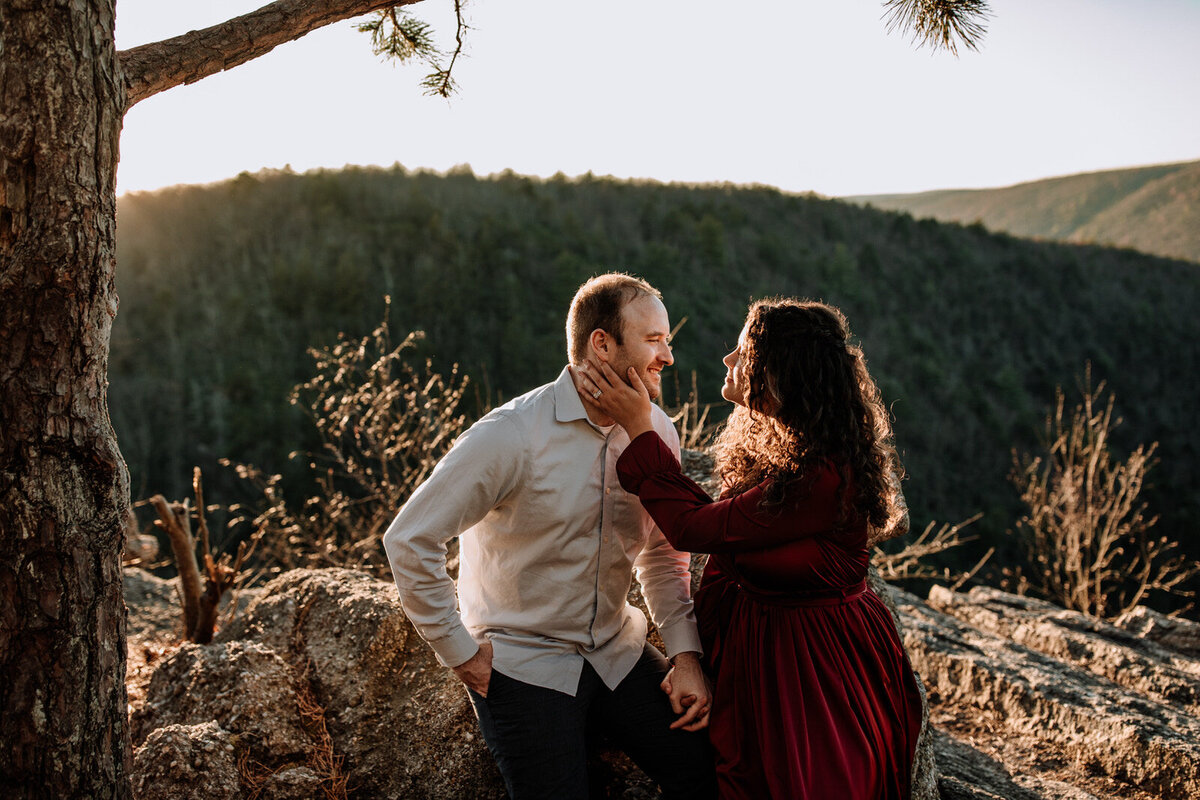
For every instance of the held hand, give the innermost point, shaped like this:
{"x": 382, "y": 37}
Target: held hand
{"x": 627, "y": 403}
{"x": 476, "y": 672}
{"x": 689, "y": 692}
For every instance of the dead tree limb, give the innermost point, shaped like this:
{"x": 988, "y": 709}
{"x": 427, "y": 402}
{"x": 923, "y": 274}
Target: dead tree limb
{"x": 200, "y": 608}
{"x": 175, "y": 519}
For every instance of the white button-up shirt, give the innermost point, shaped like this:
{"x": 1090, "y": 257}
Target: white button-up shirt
{"x": 548, "y": 544}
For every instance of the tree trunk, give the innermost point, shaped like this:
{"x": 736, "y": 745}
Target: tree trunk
{"x": 64, "y": 491}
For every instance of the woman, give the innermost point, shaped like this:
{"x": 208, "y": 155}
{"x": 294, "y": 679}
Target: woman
{"x": 813, "y": 693}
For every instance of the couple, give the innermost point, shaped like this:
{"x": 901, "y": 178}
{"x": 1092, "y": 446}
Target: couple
{"x": 561, "y": 494}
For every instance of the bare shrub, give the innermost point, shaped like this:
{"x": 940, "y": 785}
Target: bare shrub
{"x": 910, "y": 563}
{"x": 1088, "y": 536}
{"x": 384, "y": 424}
{"x": 696, "y": 431}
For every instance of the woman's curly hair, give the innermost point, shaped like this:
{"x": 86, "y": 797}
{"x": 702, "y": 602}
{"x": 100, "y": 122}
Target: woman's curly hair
{"x": 809, "y": 401}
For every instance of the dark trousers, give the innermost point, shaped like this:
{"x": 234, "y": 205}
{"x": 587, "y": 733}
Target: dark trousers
{"x": 539, "y": 737}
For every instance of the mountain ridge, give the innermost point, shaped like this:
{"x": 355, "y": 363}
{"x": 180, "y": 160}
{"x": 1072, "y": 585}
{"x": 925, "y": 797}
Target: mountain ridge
{"x": 1154, "y": 209}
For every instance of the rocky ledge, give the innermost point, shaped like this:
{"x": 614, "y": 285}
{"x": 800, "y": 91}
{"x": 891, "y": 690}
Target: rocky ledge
{"x": 321, "y": 686}
{"x": 1033, "y": 701}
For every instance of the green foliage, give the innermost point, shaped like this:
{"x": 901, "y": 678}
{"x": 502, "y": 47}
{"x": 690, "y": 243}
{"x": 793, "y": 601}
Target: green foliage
{"x": 225, "y": 287}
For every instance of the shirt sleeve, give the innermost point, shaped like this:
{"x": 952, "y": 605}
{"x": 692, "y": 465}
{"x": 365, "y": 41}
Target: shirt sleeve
{"x": 664, "y": 573}
{"x": 480, "y": 470}
{"x": 691, "y": 520}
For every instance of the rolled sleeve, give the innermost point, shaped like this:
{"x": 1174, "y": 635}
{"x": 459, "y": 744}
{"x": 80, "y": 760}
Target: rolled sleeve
{"x": 681, "y": 637}
{"x": 479, "y": 471}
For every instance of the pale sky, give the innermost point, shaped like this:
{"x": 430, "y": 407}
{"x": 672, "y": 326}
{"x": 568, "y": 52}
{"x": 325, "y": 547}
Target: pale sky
{"x": 803, "y": 95}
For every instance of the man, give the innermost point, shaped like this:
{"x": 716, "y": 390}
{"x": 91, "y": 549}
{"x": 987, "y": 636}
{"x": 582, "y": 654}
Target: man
{"x": 546, "y": 642}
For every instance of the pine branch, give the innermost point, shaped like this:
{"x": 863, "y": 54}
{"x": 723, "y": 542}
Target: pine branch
{"x": 397, "y": 35}
{"x": 444, "y": 85}
{"x": 939, "y": 23}
{"x": 152, "y": 68}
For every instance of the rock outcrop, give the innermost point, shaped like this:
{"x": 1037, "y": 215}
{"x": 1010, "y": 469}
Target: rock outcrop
{"x": 245, "y": 686}
{"x": 1114, "y": 710}
{"x": 1128, "y": 659}
{"x": 320, "y": 682}
{"x": 322, "y": 679}
{"x": 1180, "y": 635}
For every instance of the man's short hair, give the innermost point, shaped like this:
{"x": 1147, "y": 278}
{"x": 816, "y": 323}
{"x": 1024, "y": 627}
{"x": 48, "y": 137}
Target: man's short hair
{"x": 598, "y": 304}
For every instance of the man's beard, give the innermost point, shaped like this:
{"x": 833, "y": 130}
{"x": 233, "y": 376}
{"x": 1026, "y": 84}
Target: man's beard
{"x": 652, "y": 382}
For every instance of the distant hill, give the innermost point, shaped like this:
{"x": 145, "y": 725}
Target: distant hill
{"x": 1152, "y": 209}
{"x": 223, "y": 287}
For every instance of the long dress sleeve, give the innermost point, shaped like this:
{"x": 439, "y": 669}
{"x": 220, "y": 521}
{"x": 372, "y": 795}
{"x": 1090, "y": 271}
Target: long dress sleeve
{"x": 693, "y": 521}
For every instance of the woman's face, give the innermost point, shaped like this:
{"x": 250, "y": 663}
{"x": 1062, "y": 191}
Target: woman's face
{"x": 735, "y": 389}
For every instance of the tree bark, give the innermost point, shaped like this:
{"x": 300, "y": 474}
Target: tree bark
{"x": 64, "y": 489}
{"x": 153, "y": 68}
{"x": 63, "y": 486}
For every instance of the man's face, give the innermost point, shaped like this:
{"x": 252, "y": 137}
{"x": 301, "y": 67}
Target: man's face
{"x": 646, "y": 346}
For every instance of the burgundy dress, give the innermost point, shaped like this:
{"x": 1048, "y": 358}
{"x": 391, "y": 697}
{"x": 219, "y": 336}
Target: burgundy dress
{"x": 813, "y": 694}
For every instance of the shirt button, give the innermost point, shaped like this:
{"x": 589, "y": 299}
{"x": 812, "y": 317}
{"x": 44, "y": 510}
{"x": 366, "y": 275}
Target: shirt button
{"x": 607, "y": 490}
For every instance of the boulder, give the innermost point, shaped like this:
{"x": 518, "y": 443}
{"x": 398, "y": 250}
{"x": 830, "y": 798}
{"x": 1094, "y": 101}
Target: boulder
{"x": 140, "y": 548}
{"x": 292, "y": 783}
{"x": 402, "y": 722}
{"x": 156, "y": 600}
{"x": 245, "y": 686}
{"x": 966, "y": 773}
{"x": 337, "y": 641}
{"x": 187, "y": 761}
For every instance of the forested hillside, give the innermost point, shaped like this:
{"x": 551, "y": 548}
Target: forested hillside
{"x": 223, "y": 288}
{"x": 1152, "y": 209}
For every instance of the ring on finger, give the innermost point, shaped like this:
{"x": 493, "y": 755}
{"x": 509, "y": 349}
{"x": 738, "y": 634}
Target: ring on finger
{"x": 596, "y": 394}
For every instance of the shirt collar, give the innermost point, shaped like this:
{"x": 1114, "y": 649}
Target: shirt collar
{"x": 568, "y": 407}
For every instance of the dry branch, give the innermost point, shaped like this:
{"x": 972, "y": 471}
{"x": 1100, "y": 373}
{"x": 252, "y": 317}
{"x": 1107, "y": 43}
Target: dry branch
{"x": 200, "y": 608}
{"x": 152, "y": 68}
{"x": 908, "y": 564}
{"x": 202, "y": 522}
{"x": 175, "y": 519}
